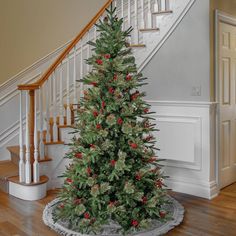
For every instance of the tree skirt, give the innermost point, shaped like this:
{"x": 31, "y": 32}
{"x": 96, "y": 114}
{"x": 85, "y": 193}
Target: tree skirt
{"x": 157, "y": 228}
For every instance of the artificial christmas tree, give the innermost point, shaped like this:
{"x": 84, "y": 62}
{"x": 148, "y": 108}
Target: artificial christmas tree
{"x": 114, "y": 175}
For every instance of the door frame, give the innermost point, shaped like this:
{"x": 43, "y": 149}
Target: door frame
{"x": 228, "y": 19}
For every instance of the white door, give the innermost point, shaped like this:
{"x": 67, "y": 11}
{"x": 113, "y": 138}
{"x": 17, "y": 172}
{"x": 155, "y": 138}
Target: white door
{"x": 227, "y": 100}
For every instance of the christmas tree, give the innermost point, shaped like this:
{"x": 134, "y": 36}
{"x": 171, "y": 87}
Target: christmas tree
{"x": 114, "y": 174}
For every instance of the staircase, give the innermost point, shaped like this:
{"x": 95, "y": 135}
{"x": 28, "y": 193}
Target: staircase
{"x": 48, "y": 106}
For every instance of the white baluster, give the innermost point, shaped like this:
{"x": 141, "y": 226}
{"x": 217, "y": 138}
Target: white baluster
{"x": 149, "y": 15}
{"x": 27, "y": 144}
{"x": 50, "y": 88}
{"x": 36, "y": 153}
{"x": 61, "y": 105}
{"x": 55, "y": 128}
{"x": 48, "y": 135}
{"x": 156, "y": 6}
{"x": 129, "y": 20}
{"x": 68, "y": 111}
{"x": 41, "y": 144}
{"x": 81, "y": 71}
{"x": 88, "y": 53}
{"x": 129, "y": 13}
{"x": 21, "y": 162}
{"x": 122, "y": 12}
{"x": 95, "y": 33}
{"x": 162, "y": 5}
{"x": 142, "y": 20}
{"x": 74, "y": 77}
{"x": 136, "y": 30}
{"x": 167, "y": 5}
{"x": 115, "y": 3}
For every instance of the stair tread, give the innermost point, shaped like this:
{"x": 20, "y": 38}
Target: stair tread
{"x": 15, "y": 179}
{"x": 137, "y": 45}
{"x": 65, "y": 126}
{"x": 16, "y": 149}
{"x": 149, "y": 29}
{"x": 8, "y": 169}
{"x": 46, "y": 158}
{"x": 52, "y": 142}
{"x": 162, "y": 12}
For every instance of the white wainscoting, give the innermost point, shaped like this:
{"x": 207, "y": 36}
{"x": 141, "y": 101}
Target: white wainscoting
{"x": 186, "y": 142}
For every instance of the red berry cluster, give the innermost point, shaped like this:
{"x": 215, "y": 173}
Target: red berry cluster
{"x": 113, "y": 163}
{"x": 159, "y": 183}
{"x": 115, "y": 77}
{"x": 86, "y": 215}
{"x": 119, "y": 121}
{"x": 94, "y": 83}
{"x": 99, "y": 61}
{"x": 144, "y": 199}
{"x": 128, "y": 77}
{"x": 133, "y": 145}
{"x": 89, "y": 171}
{"x": 107, "y": 56}
{"x": 135, "y": 95}
{"x": 134, "y": 223}
{"x": 77, "y": 201}
{"x": 138, "y": 177}
{"x": 103, "y": 104}
{"x": 98, "y": 126}
{"x": 69, "y": 180}
{"x": 111, "y": 90}
{"x": 95, "y": 113}
{"x": 78, "y": 155}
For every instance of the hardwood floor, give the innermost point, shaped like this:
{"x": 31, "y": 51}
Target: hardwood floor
{"x": 202, "y": 217}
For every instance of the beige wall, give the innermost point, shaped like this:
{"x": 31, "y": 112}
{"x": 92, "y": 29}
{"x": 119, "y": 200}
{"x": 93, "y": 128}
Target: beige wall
{"x": 229, "y": 7}
{"x": 30, "y": 29}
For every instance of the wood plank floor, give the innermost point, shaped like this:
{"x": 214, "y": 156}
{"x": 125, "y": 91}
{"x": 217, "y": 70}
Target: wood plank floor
{"x": 202, "y": 217}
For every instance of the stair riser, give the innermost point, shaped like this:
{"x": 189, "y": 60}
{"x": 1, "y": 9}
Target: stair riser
{"x": 15, "y": 158}
{"x": 4, "y": 186}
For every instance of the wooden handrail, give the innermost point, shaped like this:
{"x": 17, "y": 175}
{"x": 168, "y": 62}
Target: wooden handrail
{"x": 60, "y": 58}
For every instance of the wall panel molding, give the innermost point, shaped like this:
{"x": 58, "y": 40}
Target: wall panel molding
{"x": 187, "y": 132}
{"x": 185, "y": 140}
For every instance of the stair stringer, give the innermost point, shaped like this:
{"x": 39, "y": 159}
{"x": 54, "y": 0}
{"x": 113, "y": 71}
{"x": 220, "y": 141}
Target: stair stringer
{"x": 58, "y": 165}
{"x": 167, "y": 24}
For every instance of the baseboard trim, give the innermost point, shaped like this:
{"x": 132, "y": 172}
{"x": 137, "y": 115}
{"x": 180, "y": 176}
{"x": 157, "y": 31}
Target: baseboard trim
{"x": 207, "y": 190}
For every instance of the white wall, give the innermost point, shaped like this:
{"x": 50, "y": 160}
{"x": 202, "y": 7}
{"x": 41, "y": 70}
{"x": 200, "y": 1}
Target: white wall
{"x": 183, "y": 62}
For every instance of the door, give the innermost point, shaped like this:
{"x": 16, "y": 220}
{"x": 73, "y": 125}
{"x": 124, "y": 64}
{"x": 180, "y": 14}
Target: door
{"x": 227, "y": 100}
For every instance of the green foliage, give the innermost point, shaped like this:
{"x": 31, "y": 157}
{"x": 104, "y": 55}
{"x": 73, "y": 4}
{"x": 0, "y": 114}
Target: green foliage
{"x": 114, "y": 172}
